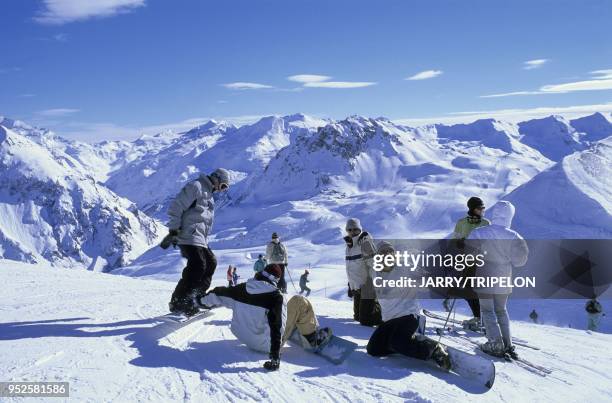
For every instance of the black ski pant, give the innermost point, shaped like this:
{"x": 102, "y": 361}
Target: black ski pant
{"x": 197, "y": 275}
{"x": 282, "y": 284}
{"x": 398, "y": 336}
{"x": 474, "y": 306}
{"x": 305, "y": 288}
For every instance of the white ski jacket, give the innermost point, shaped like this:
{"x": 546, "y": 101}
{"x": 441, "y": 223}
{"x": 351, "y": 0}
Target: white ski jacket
{"x": 505, "y": 248}
{"x": 192, "y": 212}
{"x": 395, "y": 302}
{"x": 276, "y": 253}
{"x": 359, "y": 259}
{"x": 259, "y": 313}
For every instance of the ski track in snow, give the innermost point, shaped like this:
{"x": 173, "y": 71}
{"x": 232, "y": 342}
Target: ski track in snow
{"x": 99, "y": 332}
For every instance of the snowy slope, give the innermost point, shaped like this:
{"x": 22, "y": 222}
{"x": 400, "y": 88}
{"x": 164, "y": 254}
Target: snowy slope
{"x": 553, "y": 136}
{"x": 573, "y": 199}
{"x": 52, "y": 210}
{"x": 98, "y": 332}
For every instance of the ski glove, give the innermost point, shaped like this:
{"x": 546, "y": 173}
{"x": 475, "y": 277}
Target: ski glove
{"x": 272, "y": 365}
{"x": 169, "y": 239}
{"x": 349, "y": 241}
{"x": 350, "y": 292}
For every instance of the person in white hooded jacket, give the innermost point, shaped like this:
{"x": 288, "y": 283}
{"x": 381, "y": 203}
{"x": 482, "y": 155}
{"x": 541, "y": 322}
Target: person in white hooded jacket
{"x": 360, "y": 250}
{"x": 263, "y": 318}
{"x": 398, "y": 333}
{"x": 505, "y": 250}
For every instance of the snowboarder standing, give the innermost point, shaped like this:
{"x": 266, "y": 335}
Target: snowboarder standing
{"x": 263, "y": 319}
{"x": 463, "y": 228}
{"x": 303, "y": 281}
{"x": 533, "y": 316}
{"x": 191, "y": 218}
{"x": 260, "y": 264}
{"x": 505, "y": 249}
{"x": 594, "y": 312}
{"x": 360, "y": 252}
{"x": 400, "y": 313}
{"x": 276, "y": 253}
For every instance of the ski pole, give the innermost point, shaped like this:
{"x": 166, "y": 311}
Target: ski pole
{"x": 291, "y": 279}
{"x": 447, "y": 318}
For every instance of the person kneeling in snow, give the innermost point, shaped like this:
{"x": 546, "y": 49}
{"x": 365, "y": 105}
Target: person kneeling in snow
{"x": 263, "y": 318}
{"x": 400, "y": 314}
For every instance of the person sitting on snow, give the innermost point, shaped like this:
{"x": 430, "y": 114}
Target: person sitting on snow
{"x": 263, "y": 319}
{"x": 400, "y": 314}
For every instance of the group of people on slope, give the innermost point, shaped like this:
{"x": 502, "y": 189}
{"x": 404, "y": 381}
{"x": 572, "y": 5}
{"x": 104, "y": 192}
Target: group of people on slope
{"x": 399, "y": 316}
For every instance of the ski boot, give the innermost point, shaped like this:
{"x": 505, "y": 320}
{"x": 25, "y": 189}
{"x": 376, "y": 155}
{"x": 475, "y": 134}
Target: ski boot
{"x": 472, "y": 324}
{"x": 319, "y": 338}
{"x": 511, "y": 352}
{"x": 440, "y": 356}
{"x": 494, "y": 348}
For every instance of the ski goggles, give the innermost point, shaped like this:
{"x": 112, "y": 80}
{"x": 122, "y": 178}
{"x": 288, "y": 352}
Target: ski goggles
{"x": 224, "y": 186}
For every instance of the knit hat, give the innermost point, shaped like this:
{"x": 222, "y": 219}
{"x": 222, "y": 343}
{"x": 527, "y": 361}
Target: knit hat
{"x": 353, "y": 223}
{"x": 222, "y": 175}
{"x": 272, "y": 272}
{"x": 475, "y": 202}
{"x": 384, "y": 248}
{"x": 274, "y": 235}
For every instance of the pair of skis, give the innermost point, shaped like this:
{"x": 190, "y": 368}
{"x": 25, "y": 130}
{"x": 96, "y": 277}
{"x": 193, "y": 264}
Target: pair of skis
{"x": 528, "y": 365}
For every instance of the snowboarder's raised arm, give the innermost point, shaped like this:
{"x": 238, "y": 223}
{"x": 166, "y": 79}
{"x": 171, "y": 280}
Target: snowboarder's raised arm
{"x": 181, "y": 203}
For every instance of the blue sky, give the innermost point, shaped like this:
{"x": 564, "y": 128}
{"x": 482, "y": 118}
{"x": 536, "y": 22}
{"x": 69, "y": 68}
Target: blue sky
{"x": 117, "y": 68}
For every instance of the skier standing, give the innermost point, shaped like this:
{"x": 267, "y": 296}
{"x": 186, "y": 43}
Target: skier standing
{"x": 594, "y": 312}
{"x": 191, "y": 218}
{"x": 230, "y": 276}
{"x": 360, "y": 251}
{"x": 235, "y": 276}
{"x": 276, "y": 253}
{"x": 400, "y": 313}
{"x": 263, "y": 319}
{"x": 463, "y": 228}
{"x": 260, "y": 264}
{"x": 303, "y": 281}
{"x": 505, "y": 249}
{"x": 533, "y": 316}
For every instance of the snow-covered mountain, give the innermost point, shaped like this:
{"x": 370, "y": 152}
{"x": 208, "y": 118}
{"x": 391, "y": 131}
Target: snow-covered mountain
{"x": 52, "y": 210}
{"x": 573, "y": 199}
{"x": 152, "y": 180}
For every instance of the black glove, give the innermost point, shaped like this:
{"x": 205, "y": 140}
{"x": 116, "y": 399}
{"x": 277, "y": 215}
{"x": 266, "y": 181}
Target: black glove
{"x": 349, "y": 241}
{"x": 350, "y": 292}
{"x": 272, "y": 365}
{"x": 169, "y": 239}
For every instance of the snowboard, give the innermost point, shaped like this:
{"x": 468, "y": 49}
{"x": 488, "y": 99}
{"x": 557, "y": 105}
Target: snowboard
{"x": 336, "y": 350}
{"x": 470, "y": 366}
{"x": 515, "y": 340}
{"x": 183, "y": 319}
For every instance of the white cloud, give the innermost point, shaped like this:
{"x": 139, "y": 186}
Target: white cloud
{"x": 602, "y": 80}
{"x": 424, "y": 75}
{"x": 246, "y": 86}
{"x": 339, "y": 84}
{"x": 27, "y": 95}
{"x": 511, "y": 115}
{"x": 534, "y": 64}
{"x": 64, "y": 11}
{"x": 308, "y": 78}
{"x": 319, "y": 81}
{"x": 57, "y": 112}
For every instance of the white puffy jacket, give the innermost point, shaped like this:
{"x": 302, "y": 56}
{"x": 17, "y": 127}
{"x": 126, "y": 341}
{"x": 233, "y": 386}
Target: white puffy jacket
{"x": 191, "y": 212}
{"x": 259, "y": 313}
{"x": 359, "y": 260}
{"x": 505, "y": 248}
{"x": 395, "y": 302}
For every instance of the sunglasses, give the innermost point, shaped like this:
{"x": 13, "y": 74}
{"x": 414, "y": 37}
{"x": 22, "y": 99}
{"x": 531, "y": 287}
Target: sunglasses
{"x": 354, "y": 230}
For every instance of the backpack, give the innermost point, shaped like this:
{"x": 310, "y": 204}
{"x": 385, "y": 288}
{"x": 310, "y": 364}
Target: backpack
{"x": 593, "y": 307}
{"x": 278, "y": 254}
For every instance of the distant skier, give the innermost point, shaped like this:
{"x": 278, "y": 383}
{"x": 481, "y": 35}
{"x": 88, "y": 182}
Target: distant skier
{"x": 260, "y": 264}
{"x": 276, "y": 253}
{"x": 263, "y": 318}
{"x": 463, "y": 228}
{"x": 191, "y": 218}
{"x": 303, "y": 281}
{"x": 360, "y": 252}
{"x": 506, "y": 249}
{"x": 400, "y": 313}
{"x": 594, "y": 312}
{"x": 235, "y": 276}
{"x": 533, "y": 316}
{"x": 229, "y": 275}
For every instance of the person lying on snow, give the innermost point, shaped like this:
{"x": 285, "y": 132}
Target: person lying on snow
{"x": 263, "y": 318}
{"x": 400, "y": 314}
